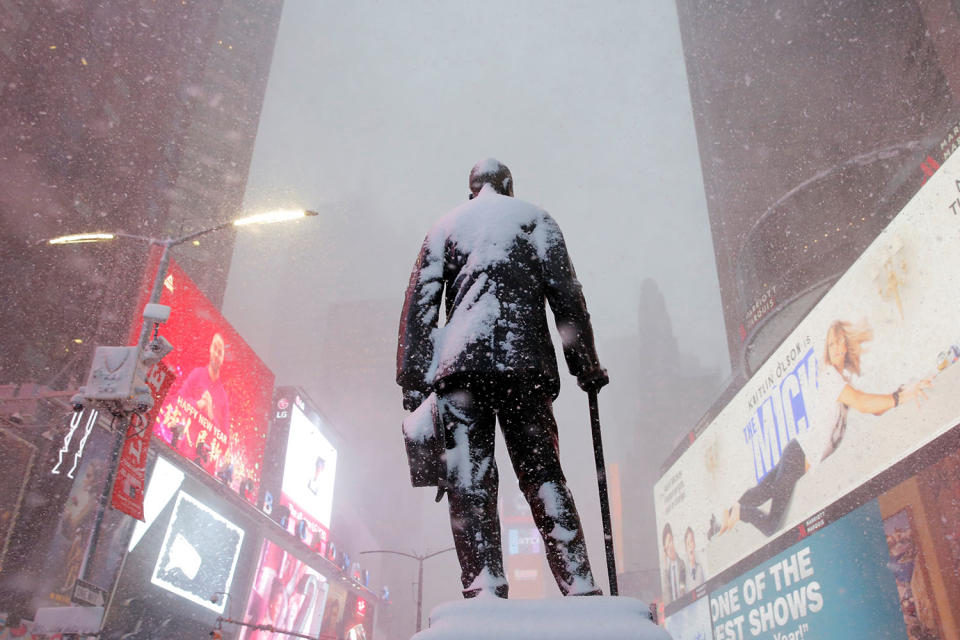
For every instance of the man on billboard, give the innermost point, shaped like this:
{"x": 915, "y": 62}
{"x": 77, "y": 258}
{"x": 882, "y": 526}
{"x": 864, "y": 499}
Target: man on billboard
{"x": 674, "y": 582}
{"x": 204, "y": 438}
{"x": 499, "y": 261}
{"x": 695, "y": 575}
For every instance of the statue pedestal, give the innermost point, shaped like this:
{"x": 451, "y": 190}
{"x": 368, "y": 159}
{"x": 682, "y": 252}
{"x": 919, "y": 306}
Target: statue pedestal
{"x": 575, "y": 617}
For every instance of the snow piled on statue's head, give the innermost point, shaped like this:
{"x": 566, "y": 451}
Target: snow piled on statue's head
{"x": 486, "y": 166}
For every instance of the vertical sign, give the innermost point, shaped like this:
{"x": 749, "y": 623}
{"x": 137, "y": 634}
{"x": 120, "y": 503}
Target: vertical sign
{"x": 129, "y": 485}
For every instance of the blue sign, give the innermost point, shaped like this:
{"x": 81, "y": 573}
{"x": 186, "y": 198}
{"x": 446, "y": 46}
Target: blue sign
{"x": 834, "y": 583}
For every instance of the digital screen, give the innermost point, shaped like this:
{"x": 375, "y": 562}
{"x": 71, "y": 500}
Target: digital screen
{"x": 523, "y": 541}
{"x": 199, "y": 553}
{"x": 357, "y": 618}
{"x": 286, "y": 594}
{"x": 334, "y": 612}
{"x": 216, "y": 413}
{"x": 309, "y": 472}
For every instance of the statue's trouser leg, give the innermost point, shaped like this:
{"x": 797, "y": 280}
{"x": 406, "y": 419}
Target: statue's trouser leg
{"x": 530, "y": 432}
{"x": 472, "y": 480}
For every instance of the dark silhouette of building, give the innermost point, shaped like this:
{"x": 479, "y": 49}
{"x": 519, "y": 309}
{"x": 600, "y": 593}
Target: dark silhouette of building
{"x": 673, "y": 391}
{"x": 137, "y": 117}
{"x": 815, "y": 122}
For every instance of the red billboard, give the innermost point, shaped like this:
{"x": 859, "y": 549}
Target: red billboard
{"x": 215, "y": 415}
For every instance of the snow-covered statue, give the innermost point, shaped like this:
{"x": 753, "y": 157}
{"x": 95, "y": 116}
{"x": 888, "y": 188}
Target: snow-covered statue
{"x": 495, "y": 262}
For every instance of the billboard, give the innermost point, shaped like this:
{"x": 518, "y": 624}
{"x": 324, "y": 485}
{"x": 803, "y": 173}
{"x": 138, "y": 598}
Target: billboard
{"x": 298, "y": 492}
{"x": 865, "y": 379}
{"x": 808, "y": 589}
{"x": 524, "y": 560}
{"x": 216, "y": 414}
{"x": 65, "y": 508}
{"x": 199, "y": 553}
{"x": 334, "y": 613}
{"x": 357, "y": 618}
{"x": 882, "y": 562}
{"x": 286, "y": 594}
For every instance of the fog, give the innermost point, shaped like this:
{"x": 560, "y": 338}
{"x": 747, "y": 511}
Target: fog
{"x": 373, "y": 116}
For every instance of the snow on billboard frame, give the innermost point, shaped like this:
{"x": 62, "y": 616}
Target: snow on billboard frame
{"x": 903, "y": 287}
{"x": 191, "y": 419}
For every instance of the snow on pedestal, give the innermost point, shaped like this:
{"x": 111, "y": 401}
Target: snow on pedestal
{"x": 577, "y": 617}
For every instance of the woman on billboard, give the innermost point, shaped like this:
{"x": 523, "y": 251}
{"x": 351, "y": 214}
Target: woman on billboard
{"x": 836, "y": 395}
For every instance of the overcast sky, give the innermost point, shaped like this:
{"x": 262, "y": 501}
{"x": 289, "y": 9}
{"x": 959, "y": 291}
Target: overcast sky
{"x": 375, "y": 113}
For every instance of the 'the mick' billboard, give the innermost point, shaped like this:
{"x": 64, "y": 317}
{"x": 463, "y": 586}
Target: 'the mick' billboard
{"x": 863, "y": 381}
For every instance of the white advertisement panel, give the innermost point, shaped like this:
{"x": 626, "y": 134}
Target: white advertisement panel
{"x": 867, "y": 378}
{"x": 309, "y": 471}
{"x": 199, "y": 553}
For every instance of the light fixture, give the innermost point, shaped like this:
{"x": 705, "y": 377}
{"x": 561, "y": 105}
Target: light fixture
{"x": 279, "y": 215}
{"x": 80, "y": 238}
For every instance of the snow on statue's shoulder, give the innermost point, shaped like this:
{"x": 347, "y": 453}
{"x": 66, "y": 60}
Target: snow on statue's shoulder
{"x": 484, "y": 618}
{"x": 487, "y": 226}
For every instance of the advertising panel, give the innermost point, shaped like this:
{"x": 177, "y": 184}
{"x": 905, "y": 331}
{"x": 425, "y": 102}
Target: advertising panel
{"x": 216, "y": 413}
{"x": 523, "y": 559}
{"x": 308, "y": 471}
{"x": 357, "y": 619}
{"x": 867, "y": 378}
{"x": 286, "y": 594}
{"x": 61, "y": 561}
{"x": 334, "y": 612}
{"x": 298, "y": 492}
{"x": 882, "y": 562}
{"x": 834, "y": 584}
{"x": 129, "y": 485}
{"x": 199, "y": 553}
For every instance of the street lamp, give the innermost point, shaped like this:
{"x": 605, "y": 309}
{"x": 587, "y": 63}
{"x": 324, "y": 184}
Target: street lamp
{"x": 267, "y": 217}
{"x": 419, "y": 558}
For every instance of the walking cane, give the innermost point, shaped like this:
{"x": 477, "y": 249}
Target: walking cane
{"x": 604, "y": 497}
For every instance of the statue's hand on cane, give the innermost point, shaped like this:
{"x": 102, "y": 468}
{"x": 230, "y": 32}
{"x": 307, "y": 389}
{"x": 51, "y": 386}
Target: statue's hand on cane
{"x": 592, "y": 380}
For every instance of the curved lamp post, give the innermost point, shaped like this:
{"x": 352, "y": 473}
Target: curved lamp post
{"x": 268, "y": 217}
{"x": 419, "y": 559}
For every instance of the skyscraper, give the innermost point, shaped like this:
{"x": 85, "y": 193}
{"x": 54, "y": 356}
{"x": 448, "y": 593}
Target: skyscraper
{"x": 815, "y": 123}
{"x": 137, "y": 117}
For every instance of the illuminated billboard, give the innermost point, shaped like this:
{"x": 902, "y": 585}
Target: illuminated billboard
{"x": 878, "y": 563}
{"x": 309, "y": 470}
{"x": 216, "y": 414}
{"x": 299, "y": 488}
{"x": 199, "y": 553}
{"x": 357, "y": 618}
{"x": 865, "y": 379}
{"x": 286, "y": 594}
{"x": 524, "y": 560}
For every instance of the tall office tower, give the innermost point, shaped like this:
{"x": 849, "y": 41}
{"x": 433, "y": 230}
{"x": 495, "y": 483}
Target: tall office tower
{"x": 815, "y": 123}
{"x": 137, "y": 117}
